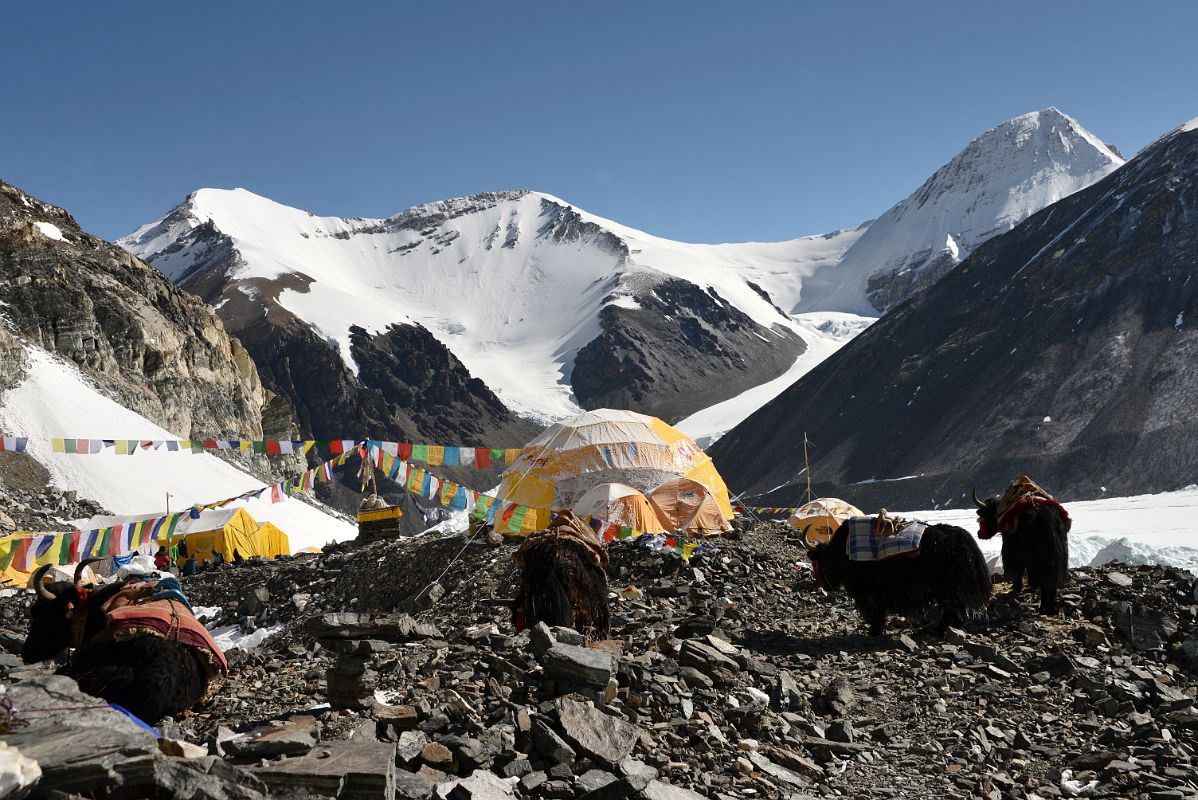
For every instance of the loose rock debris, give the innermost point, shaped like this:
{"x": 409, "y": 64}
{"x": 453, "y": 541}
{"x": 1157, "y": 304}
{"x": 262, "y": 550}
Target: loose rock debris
{"x": 732, "y": 676}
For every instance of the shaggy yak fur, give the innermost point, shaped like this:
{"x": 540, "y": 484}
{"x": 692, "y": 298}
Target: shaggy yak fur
{"x": 948, "y": 572}
{"x": 150, "y": 676}
{"x": 1038, "y": 546}
{"x": 562, "y": 585}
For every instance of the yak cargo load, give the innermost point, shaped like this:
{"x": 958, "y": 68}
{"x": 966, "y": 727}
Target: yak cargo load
{"x": 687, "y": 506}
{"x": 819, "y": 519}
{"x": 571, "y": 457}
{"x": 620, "y": 504}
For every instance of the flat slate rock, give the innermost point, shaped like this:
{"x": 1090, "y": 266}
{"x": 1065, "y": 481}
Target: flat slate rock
{"x": 601, "y": 736}
{"x": 294, "y": 737}
{"x": 83, "y": 745}
{"x": 346, "y": 770}
{"x": 581, "y": 665}
{"x": 385, "y": 627}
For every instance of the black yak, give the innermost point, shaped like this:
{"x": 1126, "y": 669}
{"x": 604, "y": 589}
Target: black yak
{"x": 947, "y": 571}
{"x": 122, "y": 652}
{"x": 1035, "y": 538}
{"x": 563, "y": 579}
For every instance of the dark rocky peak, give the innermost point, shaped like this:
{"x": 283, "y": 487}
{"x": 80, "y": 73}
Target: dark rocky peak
{"x": 431, "y": 215}
{"x": 564, "y": 224}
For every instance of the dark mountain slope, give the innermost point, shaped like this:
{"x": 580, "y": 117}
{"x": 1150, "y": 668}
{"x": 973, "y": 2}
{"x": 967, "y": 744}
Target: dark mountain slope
{"x": 1066, "y": 348}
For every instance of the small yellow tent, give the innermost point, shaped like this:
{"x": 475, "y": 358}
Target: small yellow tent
{"x": 821, "y": 518}
{"x": 619, "y": 504}
{"x": 688, "y": 506}
{"x": 571, "y": 457}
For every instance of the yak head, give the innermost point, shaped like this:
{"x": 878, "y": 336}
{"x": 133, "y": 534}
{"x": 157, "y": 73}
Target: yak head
{"x": 55, "y": 615}
{"x": 827, "y": 574}
{"x": 987, "y": 515}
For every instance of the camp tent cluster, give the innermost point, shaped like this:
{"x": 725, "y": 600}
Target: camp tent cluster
{"x": 628, "y": 468}
{"x": 218, "y": 530}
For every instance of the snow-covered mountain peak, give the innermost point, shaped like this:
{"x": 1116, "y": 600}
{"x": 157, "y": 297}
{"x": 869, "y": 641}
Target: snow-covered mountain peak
{"x": 1002, "y": 177}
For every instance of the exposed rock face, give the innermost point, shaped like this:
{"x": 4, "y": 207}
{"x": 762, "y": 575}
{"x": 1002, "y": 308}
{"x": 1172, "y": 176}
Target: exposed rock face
{"x": 152, "y": 346}
{"x": 415, "y": 373}
{"x": 684, "y": 349}
{"x": 1065, "y": 349}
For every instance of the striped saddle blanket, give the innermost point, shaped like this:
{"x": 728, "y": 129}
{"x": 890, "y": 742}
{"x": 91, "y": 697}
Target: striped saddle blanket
{"x": 144, "y": 610}
{"x": 865, "y": 544}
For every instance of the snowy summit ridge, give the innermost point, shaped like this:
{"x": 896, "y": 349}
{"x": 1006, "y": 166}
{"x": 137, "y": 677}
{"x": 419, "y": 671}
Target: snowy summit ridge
{"x": 999, "y": 179}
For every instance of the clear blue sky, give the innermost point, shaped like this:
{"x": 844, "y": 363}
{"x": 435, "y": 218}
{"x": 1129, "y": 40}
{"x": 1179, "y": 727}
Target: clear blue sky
{"x": 698, "y": 121}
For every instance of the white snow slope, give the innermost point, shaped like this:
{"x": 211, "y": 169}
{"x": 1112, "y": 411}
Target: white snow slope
{"x": 1145, "y": 529}
{"x": 487, "y": 276}
{"x": 1000, "y": 179}
{"x": 513, "y": 283}
{"x": 824, "y": 333}
{"x": 56, "y": 400}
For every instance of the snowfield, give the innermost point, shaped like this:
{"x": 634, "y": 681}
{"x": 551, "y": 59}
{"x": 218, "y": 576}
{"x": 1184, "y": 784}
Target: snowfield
{"x": 1145, "y": 529}
{"x": 56, "y": 400}
{"x": 512, "y": 284}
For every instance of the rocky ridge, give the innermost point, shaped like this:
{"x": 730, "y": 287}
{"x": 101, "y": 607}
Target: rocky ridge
{"x": 154, "y": 347}
{"x": 732, "y": 676}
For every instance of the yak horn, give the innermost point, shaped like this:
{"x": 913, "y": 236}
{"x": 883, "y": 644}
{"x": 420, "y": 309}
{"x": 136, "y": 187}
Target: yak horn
{"x": 82, "y": 564}
{"x": 38, "y": 577}
{"x": 979, "y": 503}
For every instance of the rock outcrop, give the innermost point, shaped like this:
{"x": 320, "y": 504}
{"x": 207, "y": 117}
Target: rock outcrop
{"x": 150, "y": 345}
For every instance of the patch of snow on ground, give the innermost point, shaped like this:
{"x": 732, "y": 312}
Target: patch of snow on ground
{"x": 50, "y": 231}
{"x": 1144, "y": 529}
{"x": 56, "y": 400}
{"x": 1190, "y": 126}
{"x": 231, "y": 637}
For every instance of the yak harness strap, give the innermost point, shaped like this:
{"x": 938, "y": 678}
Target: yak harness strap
{"x": 864, "y": 544}
{"x": 566, "y": 526}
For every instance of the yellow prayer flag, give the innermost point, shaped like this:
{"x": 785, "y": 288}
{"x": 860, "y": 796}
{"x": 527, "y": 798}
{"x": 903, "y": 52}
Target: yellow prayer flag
{"x": 436, "y": 455}
{"x": 58, "y": 445}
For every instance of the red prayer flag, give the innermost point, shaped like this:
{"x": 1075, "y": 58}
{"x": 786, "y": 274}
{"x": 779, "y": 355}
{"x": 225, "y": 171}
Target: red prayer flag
{"x": 482, "y": 457}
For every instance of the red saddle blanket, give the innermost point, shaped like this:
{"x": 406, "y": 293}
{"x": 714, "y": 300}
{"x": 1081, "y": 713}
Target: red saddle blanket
{"x": 169, "y": 619}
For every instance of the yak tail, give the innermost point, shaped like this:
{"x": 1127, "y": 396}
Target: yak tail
{"x": 548, "y": 598}
{"x": 971, "y": 584}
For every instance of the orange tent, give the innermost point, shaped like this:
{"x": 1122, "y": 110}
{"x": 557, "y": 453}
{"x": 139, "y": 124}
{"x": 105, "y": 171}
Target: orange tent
{"x": 619, "y": 504}
{"x": 687, "y": 505}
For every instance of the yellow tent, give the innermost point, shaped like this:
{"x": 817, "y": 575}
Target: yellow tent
{"x": 620, "y": 504}
{"x": 820, "y": 519}
{"x": 571, "y": 457}
{"x": 685, "y": 505}
{"x": 223, "y": 530}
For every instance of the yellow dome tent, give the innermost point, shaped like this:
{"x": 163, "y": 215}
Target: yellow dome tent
{"x": 571, "y": 457}
{"x": 620, "y": 504}
{"x": 687, "y": 506}
{"x": 820, "y": 518}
